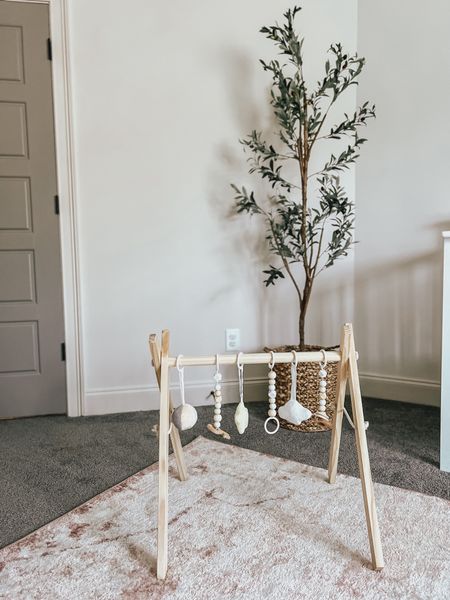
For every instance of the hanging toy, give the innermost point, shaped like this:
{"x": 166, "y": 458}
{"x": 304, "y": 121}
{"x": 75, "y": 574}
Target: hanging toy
{"x": 293, "y": 411}
{"x": 218, "y": 404}
{"x": 184, "y": 416}
{"x": 241, "y": 414}
{"x": 321, "y": 413}
{"x": 272, "y": 412}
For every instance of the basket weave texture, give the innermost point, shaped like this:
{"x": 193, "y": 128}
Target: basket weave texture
{"x": 307, "y": 389}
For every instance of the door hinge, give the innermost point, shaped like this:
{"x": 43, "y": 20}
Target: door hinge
{"x": 49, "y": 49}
{"x": 63, "y": 351}
{"x": 56, "y": 205}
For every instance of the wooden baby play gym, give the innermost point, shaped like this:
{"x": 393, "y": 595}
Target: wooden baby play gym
{"x": 185, "y": 416}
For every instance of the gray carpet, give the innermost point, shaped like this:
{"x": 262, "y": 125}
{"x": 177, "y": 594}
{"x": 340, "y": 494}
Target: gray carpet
{"x": 49, "y": 465}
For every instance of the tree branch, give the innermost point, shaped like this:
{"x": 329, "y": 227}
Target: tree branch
{"x": 284, "y": 260}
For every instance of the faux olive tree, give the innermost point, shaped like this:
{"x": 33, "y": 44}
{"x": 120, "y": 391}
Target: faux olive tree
{"x": 309, "y": 222}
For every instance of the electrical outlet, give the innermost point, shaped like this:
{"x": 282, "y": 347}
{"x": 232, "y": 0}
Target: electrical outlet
{"x": 232, "y": 339}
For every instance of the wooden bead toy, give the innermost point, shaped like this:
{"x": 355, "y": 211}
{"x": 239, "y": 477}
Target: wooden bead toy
{"x": 272, "y": 412}
{"x": 215, "y": 428}
{"x": 323, "y": 388}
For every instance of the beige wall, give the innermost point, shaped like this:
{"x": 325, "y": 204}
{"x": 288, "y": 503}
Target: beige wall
{"x": 160, "y": 99}
{"x": 161, "y": 93}
{"x": 403, "y": 201}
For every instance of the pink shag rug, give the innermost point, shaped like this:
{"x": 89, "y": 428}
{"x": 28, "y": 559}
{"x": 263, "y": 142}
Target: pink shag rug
{"x": 244, "y": 526}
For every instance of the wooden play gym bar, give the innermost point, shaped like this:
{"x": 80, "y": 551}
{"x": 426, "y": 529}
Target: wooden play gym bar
{"x": 347, "y": 373}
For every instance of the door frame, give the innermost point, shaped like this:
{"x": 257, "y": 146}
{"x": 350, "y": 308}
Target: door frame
{"x": 65, "y": 166}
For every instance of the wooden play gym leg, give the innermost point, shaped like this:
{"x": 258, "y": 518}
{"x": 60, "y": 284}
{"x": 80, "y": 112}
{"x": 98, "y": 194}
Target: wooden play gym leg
{"x": 164, "y": 418}
{"x": 363, "y": 459}
{"x": 340, "y": 401}
{"x": 174, "y": 433}
{"x": 348, "y": 371}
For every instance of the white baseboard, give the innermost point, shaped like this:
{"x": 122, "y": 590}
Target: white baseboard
{"x": 416, "y": 391}
{"x": 119, "y": 400}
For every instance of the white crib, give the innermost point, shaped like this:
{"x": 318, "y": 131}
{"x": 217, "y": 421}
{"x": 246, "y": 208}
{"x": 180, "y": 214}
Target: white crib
{"x": 445, "y": 372}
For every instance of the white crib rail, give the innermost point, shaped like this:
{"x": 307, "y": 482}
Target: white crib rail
{"x": 445, "y": 370}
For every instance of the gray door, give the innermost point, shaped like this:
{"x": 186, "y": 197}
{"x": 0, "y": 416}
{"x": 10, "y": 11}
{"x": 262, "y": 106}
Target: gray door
{"x": 32, "y": 371}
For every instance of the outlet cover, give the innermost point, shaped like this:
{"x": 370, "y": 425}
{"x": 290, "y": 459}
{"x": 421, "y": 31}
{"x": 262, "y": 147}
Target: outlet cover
{"x": 232, "y": 339}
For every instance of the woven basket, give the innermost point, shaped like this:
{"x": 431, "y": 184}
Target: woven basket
{"x": 307, "y": 389}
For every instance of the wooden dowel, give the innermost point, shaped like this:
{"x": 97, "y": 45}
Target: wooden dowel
{"x": 260, "y": 358}
{"x": 174, "y": 433}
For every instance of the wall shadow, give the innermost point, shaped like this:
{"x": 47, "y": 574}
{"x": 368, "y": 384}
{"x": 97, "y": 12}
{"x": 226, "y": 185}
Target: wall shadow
{"x": 397, "y": 315}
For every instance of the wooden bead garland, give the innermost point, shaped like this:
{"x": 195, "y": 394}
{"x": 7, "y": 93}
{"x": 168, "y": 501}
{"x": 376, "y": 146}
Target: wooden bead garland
{"x": 217, "y": 393}
{"x": 323, "y": 388}
{"x": 272, "y": 412}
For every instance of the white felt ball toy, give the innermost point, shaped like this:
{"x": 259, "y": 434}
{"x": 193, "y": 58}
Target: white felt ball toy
{"x": 184, "y": 417}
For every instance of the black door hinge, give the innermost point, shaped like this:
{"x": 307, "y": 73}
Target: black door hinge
{"x": 56, "y": 205}
{"x": 49, "y": 49}
{"x": 63, "y": 351}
